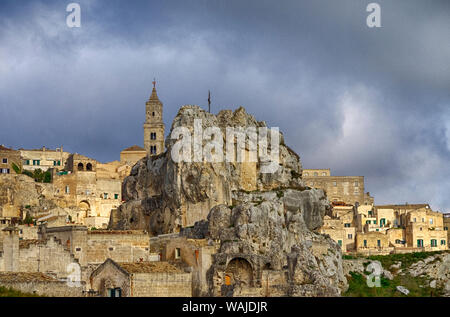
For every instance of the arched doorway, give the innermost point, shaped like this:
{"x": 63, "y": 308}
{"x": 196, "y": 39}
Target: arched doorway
{"x": 85, "y": 207}
{"x": 88, "y": 167}
{"x": 239, "y": 271}
{"x": 80, "y": 166}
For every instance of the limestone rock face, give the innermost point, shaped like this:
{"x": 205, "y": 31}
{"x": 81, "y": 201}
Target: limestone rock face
{"x": 20, "y": 194}
{"x": 272, "y": 232}
{"x": 163, "y": 195}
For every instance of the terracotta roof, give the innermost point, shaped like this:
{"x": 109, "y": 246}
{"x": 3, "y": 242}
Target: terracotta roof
{"x": 21, "y": 277}
{"x": 149, "y": 267}
{"x": 134, "y": 148}
{"x": 2, "y": 148}
{"x": 412, "y": 206}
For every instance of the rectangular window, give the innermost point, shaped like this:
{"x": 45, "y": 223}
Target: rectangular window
{"x": 116, "y": 196}
{"x": 105, "y": 195}
{"x": 350, "y": 236}
{"x": 334, "y": 184}
{"x": 419, "y": 243}
{"x": 36, "y": 162}
{"x": 5, "y": 170}
{"x": 340, "y": 243}
{"x": 374, "y": 222}
{"x": 367, "y": 222}
{"x": 177, "y": 253}
{"x": 433, "y": 242}
{"x": 442, "y": 242}
{"x": 431, "y": 221}
{"x": 347, "y": 225}
{"x": 365, "y": 243}
{"x": 379, "y": 243}
{"x": 5, "y": 161}
{"x": 67, "y": 189}
{"x": 356, "y": 184}
{"x": 27, "y": 162}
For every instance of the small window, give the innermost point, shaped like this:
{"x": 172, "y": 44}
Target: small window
{"x": 324, "y": 174}
{"x": 433, "y": 242}
{"x": 446, "y": 228}
{"x": 350, "y": 236}
{"x": 5, "y": 161}
{"x": 153, "y": 114}
{"x": 177, "y": 253}
{"x": 347, "y": 225}
{"x": 116, "y": 196}
{"x": 334, "y": 184}
{"x": 340, "y": 243}
{"x": 105, "y": 195}
{"x": 78, "y": 249}
{"x": 365, "y": 243}
{"x": 67, "y": 189}
{"x": 442, "y": 242}
{"x": 111, "y": 249}
{"x": 379, "y": 243}
{"x": 356, "y": 184}
{"x": 431, "y": 221}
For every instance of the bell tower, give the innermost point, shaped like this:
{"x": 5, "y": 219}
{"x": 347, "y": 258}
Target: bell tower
{"x": 154, "y": 125}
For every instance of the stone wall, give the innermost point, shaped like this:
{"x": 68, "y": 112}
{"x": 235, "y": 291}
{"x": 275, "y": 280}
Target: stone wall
{"x": 161, "y": 285}
{"x": 51, "y": 289}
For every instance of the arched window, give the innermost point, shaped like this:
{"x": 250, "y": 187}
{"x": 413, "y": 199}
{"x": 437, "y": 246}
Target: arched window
{"x": 88, "y": 167}
{"x": 80, "y": 166}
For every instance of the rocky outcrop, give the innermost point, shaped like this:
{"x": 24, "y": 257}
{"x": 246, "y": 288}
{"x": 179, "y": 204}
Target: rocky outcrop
{"x": 262, "y": 223}
{"x": 436, "y": 268}
{"x": 163, "y": 195}
{"x": 268, "y": 248}
{"x": 20, "y": 194}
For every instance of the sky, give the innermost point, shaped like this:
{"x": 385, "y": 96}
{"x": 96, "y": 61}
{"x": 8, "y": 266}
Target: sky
{"x": 362, "y": 101}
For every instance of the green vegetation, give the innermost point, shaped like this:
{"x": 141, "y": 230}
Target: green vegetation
{"x": 16, "y": 168}
{"x": 39, "y": 175}
{"x": 9, "y": 292}
{"x": 407, "y": 259}
{"x": 280, "y": 194}
{"x": 418, "y": 287}
{"x": 28, "y": 219}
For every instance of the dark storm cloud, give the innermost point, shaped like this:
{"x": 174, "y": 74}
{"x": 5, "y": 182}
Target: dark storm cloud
{"x": 372, "y": 102}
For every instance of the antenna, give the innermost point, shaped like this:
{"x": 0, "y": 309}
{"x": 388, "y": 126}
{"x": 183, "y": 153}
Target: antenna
{"x": 209, "y": 101}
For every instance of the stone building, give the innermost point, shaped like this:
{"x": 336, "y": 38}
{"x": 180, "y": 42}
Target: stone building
{"x": 386, "y": 228}
{"x": 7, "y": 158}
{"x": 347, "y": 189}
{"x": 140, "y": 279}
{"x": 40, "y": 284}
{"x": 195, "y": 254}
{"x": 90, "y": 188}
{"x": 447, "y": 224}
{"x": 132, "y": 154}
{"x": 44, "y": 158}
{"x": 154, "y": 125}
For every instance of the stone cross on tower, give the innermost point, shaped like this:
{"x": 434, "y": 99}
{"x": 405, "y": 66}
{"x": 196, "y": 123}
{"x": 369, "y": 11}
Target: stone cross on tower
{"x": 154, "y": 126}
